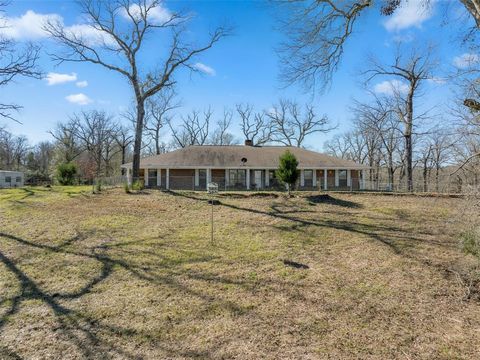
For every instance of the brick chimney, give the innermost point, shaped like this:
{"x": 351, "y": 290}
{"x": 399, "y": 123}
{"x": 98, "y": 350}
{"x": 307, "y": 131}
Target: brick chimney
{"x": 248, "y": 142}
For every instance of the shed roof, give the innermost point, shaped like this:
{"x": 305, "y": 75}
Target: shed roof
{"x": 230, "y": 156}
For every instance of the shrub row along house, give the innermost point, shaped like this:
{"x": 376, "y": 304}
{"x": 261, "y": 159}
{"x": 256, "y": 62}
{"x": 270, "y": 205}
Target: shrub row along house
{"x": 237, "y": 167}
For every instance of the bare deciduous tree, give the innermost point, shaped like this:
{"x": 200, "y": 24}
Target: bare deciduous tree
{"x": 291, "y": 124}
{"x": 194, "y": 128}
{"x": 122, "y": 27}
{"x": 409, "y": 71}
{"x": 255, "y": 126}
{"x": 317, "y": 31}
{"x": 221, "y": 134}
{"x": 156, "y": 116}
{"x": 15, "y": 61}
{"x": 96, "y": 132}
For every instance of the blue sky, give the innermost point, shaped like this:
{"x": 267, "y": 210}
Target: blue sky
{"x": 241, "y": 68}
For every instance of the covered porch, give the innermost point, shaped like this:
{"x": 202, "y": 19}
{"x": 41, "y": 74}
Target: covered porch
{"x": 248, "y": 179}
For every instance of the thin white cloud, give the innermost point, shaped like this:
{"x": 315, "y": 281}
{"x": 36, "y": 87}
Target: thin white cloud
{"x": 205, "y": 69}
{"x": 82, "y": 84}
{"x": 437, "y": 80}
{"x": 391, "y": 87}
{"x": 28, "y": 26}
{"x": 157, "y": 14}
{"x": 57, "y": 78}
{"x": 410, "y": 14}
{"x": 466, "y": 60}
{"x": 79, "y": 99}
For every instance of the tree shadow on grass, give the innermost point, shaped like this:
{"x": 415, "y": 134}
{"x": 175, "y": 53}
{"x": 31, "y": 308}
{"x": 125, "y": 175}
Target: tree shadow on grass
{"x": 84, "y": 331}
{"x": 327, "y": 199}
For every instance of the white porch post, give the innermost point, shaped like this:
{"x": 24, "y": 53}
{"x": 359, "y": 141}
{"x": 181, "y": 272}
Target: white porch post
{"x": 302, "y": 178}
{"x": 248, "y": 179}
{"x": 159, "y": 177}
{"x": 197, "y": 178}
{"x": 209, "y": 176}
{"x": 325, "y": 179}
{"x": 362, "y": 183}
{"x": 337, "y": 179}
{"x": 129, "y": 176}
{"x": 145, "y": 177}
{"x": 349, "y": 178}
{"x": 167, "y": 179}
{"x": 314, "y": 178}
{"x": 267, "y": 178}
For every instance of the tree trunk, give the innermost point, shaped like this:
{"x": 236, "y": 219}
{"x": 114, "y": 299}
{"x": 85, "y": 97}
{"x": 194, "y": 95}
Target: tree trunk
{"x": 408, "y": 158}
{"x": 437, "y": 185}
{"x": 157, "y": 141}
{"x": 124, "y": 150}
{"x": 425, "y": 172}
{"x": 138, "y": 140}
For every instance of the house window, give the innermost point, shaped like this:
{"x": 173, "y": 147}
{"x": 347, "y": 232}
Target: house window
{"x": 237, "y": 178}
{"x": 152, "y": 177}
{"x": 308, "y": 178}
{"x": 8, "y": 179}
{"x": 18, "y": 179}
{"x": 342, "y": 178}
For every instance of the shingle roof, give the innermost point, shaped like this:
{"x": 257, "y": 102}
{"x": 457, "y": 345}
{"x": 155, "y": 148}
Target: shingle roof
{"x": 222, "y": 156}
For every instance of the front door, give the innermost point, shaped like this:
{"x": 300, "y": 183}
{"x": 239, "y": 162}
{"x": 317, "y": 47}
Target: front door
{"x": 258, "y": 179}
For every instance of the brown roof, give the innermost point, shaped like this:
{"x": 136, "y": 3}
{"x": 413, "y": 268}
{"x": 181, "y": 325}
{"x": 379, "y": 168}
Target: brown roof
{"x": 222, "y": 156}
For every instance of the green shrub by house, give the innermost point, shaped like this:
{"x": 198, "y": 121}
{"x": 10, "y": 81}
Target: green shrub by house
{"x": 287, "y": 171}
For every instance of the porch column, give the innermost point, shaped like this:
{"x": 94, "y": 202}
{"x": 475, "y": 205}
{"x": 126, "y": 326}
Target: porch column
{"x": 145, "y": 177}
{"x": 167, "y": 179}
{"x": 337, "y": 179}
{"x": 227, "y": 180}
{"x": 349, "y": 178}
{"x": 209, "y": 176}
{"x": 197, "y": 178}
{"x": 267, "y": 178}
{"x": 314, "y": 178}
{"x": 302, "y": 178}
{"x": 325, "y": 179}
{"x": 159, "y": 177}
{"x": 248, "y": 179}
{"x": 362, "y": 183}
{"x": 129, "y": 176}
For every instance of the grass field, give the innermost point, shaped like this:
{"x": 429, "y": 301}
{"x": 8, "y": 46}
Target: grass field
{"x": 136, "y": 276}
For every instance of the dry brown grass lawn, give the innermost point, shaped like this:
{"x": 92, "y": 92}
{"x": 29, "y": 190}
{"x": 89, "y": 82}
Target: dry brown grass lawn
{"x": 136, "y": 276}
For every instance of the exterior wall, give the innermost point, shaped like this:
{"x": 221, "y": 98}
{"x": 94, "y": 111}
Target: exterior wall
{"x": 218, "y": 176}
{"x": 17, "y": 179}
{"x": 331, "y": 179}
{"x": 321, "y": 179}
{"x": 182, "y": 179}
{"x": 355, "y": 176}
{"x": 196, "y": 179}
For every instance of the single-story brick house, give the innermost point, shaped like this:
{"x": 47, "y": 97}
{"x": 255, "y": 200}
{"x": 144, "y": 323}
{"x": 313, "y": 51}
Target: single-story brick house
{"x": 245, "y": 167}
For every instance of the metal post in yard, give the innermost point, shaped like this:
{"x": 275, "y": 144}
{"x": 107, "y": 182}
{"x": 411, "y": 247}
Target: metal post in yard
{"x": 212, "y": 188}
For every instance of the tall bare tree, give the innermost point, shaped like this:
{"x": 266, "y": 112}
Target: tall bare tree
{"x": 158, "y": 108}
{"x": 221, "y": 134}
{"x": 122, "y": 28}
{"x": 194, "y": 129}
{"x": 291, "y": 124}
{"x": 255, "y": 125}
{"x": 95, "y": 131}
{"x": 409, "y": 72}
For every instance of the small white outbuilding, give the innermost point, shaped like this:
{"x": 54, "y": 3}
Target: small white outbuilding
{"x": 11, "y": 179}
